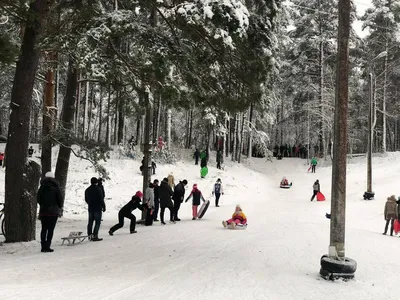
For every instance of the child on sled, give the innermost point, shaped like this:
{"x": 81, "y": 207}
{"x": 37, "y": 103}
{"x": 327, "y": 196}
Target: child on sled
{"x": 284, "y": 181}
{"x": 238, "y": 217}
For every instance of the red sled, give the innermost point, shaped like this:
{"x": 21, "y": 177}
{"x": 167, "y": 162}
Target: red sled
{"x": 309, "y": 169}
{"x": 396, "y": 226}
{"x": 320, "y": 197}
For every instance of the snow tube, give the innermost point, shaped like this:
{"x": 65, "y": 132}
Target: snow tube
{"x": 203, "y": 172}
{"x": 396, "y": 226}
{"x": 203, "y": 209}
{"x": 287, "y": 186}
{"x": 320, "y": 197}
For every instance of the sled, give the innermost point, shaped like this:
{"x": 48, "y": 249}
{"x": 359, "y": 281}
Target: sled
{"x": 320, "y": 197}
{"x": 396, "y": 226}
{"x": 287, "y": 186}
{"x": 308, "y": 170}
{"x": 237, "y": 227}
{"x": 203, "y": 209}
{"x": 74, "y": 236}
{"x": 203, "y": 172}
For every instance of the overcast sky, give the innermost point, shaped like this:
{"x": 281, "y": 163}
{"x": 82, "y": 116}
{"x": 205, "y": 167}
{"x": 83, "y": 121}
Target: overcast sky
{"x": 361, "y": 6}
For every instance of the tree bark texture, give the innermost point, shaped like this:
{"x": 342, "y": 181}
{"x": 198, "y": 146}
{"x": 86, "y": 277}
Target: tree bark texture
{"x": 19, "y": 192}
{"x": 338, "y": 205}
{"x": 67, "y": 123}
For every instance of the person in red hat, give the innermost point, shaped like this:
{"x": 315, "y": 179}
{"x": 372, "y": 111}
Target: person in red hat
{"x": 126, "y": 212}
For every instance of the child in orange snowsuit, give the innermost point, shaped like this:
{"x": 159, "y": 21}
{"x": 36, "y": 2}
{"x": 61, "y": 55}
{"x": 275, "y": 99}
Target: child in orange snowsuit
{"x": 238, "y": 217}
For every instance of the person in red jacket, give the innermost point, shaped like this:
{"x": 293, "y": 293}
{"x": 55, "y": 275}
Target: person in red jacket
{"x": 197, "y": 196}
{"x": 1, "y": 159}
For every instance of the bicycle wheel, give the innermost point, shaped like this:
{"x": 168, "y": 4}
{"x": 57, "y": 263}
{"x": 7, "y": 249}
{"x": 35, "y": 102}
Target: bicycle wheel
{"x": 3, "y": 227}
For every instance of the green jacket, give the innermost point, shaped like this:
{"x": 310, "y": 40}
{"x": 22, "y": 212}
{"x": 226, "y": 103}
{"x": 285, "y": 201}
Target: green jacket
{"x": 314, "y": 161}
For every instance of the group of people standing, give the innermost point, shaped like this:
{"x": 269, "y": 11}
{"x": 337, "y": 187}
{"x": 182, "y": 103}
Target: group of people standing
{"x": 391, "y": 213}
{"x": 156, "y": 199}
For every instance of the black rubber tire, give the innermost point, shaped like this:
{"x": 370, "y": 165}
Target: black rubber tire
{"x": 348, "y": 266}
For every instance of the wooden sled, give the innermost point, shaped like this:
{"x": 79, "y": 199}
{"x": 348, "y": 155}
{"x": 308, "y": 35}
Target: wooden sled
{"x": 74, "y": 236}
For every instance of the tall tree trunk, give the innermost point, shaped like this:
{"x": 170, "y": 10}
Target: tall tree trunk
{"x": 85, "y": 111}
{"x": 241, "y": 137}
{"x": 100, "y": 114}
{"x": 384, "y": 98}
{"x": 67, "y": 123}
{"x": 158, "y": 128}
{"x": 235, "y": 121}
{"x": 121, "y": 120}
{"x": 228, "y": 136}
{"x": 249, "y": 144}
{"x": 169, "y": 121}
{"x": 190, "y": 128}
{"x": 78, "y": 106}
{"x": 20, "y": 200}
{"x": 116, "y": 120}
{"x": 90, "y": 112}
{"x": 48, "y": 116}
{"x": 108, "y": 129}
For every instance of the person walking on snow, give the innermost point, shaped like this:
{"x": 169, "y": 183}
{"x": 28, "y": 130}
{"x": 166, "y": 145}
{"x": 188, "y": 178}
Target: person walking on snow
{"x": 178, "y": 196}
{"x": 238, "y": 217}
{"x": 50, "y": 200}
{"x": 149, "y": 204}
{"x": 217, "y": 190}
{"x": 156, "y": 200}
{"x": 196, "y": 156}
{"x": 95, "y": 200}
{"x": 313, "y": 164}
{"x": 197, "y": 196}
{"x": 126, "y": 212}
{"x": 166, "y": 193}
{"x": 390, "y": 213}
{"x": 316, "y": 189}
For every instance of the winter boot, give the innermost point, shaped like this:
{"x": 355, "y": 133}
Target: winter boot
{"x": 163, "y": 223}
{"x": 110, "y": 232}
{"x": 43, "y": 244}
{"x": 224, "y": 223}
{"x": 96, "y": 239}
{"x": 172, "y": 222}
{"x": 134, "y": 231}
{"x": 48, "y": 249}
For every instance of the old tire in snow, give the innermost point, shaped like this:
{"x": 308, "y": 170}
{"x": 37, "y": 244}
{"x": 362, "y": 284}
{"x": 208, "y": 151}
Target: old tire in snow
{"x": 346, "y": 266}
{"x": 333, "y": 276}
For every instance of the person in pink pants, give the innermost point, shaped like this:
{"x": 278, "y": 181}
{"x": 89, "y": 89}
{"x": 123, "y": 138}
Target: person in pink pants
{"x": 238, "y": 217}
{"x": 197, "y": 196}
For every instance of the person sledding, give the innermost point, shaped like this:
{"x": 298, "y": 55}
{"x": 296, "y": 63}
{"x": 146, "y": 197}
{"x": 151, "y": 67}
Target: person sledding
{"x": 285, "y": 183}
{"x": 238, "y": 217}
{"x": 197, "y": 196}
{"x": 126, "y": 212}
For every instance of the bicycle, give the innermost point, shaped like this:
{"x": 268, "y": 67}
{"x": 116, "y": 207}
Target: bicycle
{"x": 2, "y": 220}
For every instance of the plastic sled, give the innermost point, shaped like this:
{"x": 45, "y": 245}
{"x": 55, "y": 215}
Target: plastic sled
{"x": 237, "y": 227}
{"x": 203, "y": 209}
{"x": 396, "y": 226}
{"x": 308, "y": 170}
{"x": 287, "y": 186}
{"x": 203, "y": 172}
{"x": 320, "y": 197}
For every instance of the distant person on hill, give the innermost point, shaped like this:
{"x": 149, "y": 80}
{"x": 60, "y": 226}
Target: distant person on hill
{"x": 217, "y": 190}
{"x": 30, "y": 151}
{"x": 219, "y": 159}
{"x": 50, "y": 200}
{"x": 126, "y": 212}
{"x": 390, "y": 213}
{"x": 316, "y": 189}
{"x": 166, "y": 193}
{"x": 95, "y": 200}
{"x": 178, "y": 197}
{"x": 196, "y": 156}
{"x": 313, "y": 164}
{"x": 197, "y": 197}
{"x": 1, "y": 158}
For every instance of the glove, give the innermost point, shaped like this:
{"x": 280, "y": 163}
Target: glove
{"x": 61, "y": 212}
{"x": 104, "y": 209}
{"x": 222, "y": 193}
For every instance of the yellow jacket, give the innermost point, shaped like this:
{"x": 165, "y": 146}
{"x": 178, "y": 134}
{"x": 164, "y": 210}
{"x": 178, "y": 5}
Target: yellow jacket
{"x": 241, "y": 216}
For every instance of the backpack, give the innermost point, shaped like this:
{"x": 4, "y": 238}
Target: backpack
{"x": 217, "y": 188}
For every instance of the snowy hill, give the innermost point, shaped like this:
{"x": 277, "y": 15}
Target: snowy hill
{"x": 277, "y": 257}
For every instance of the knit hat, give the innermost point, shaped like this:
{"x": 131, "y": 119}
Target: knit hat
{"x": 139, "y": 194}
{"x": 195, "y": 186}
{"x": 238, "y": 206}
{"x": 49, "y": 175}
{"x": 93, "y": 180}
{"x": 219, "y": 180}
{"x": 392, "y": 198}
{"x": 184, "y": 181}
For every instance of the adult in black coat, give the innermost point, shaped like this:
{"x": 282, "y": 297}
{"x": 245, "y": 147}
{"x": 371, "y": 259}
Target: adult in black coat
{"x": 178, "y": 197}
{"x": 166, "y": 193}
{"x": 50, "y": 200}
{"x": 126, "y": 212}
{"x": 95, "y": 200}
{"x": 156, "y": 199}
{"x": 196, "y": 156}
{"x": 101, "y": 186}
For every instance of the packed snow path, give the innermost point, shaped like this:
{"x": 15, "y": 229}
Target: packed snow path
{"x": 277, "y": 257}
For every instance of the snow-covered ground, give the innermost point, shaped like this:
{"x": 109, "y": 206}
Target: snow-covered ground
{"x": 277, "y": 257}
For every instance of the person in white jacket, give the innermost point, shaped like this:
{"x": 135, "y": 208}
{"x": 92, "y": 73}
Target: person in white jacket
{"x": 149, "y": 204}
{"x": 217, "y": 190}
